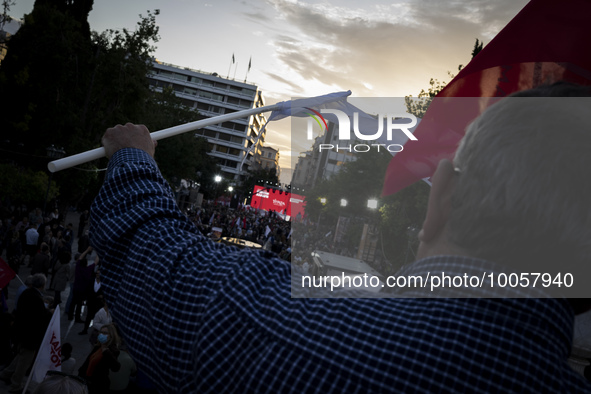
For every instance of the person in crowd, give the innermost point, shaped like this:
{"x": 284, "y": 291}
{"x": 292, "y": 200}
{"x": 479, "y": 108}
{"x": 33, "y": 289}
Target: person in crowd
{"x": 14, "y": 251}
{"x": 83, "y": 222}
{"x": 102, "y": 360}
{"x": 95, "y": 299}
{"x": 61, "y": 276}
{"x": 68, "y": 362}
{"x": 22, "y": 225}
{"x": 232, "y": 323}
{"x": 120, "y": 380}
{"x": 31, "y": 238}
{"x": 62, "y": 383}
{"x": 31, "y": 321}
{"x": 101, "y": 318}
{"x": 36, "y": 216}
{"x": 69, "y": 235}
{"x": 26, "y": 285}
{"x": 41, "y": 262}
{"x": 82, "y": 285}
{"x": 71, "y": 280}
{"x": 83, "y": 242}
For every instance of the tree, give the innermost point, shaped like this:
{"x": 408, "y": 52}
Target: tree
{"x": 418, "y": 106}
{"x": 64, "y": 86}
{"x": 398, "y": 218}
{"x": 184, "y": 156}
{"x": 20, "y": 186}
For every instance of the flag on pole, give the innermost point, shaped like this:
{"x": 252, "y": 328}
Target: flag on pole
{"x": 233, "y": 60}
{"x": 49, "y": 355}
{"x": 544, "y": 43}
{"x": 6, "y": 274}
{"x": 362, "y": 124}
{"x": 249, "y": 63}
{"x": 267, "y": 230}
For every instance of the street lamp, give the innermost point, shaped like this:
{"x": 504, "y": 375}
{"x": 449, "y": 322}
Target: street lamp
{"x": 230, "y": 189}
{"x": 343, "y": 202}
{"x": 217, "y": 180}
{"x": 53, "y": 153}
{"x": 372, "y": 203}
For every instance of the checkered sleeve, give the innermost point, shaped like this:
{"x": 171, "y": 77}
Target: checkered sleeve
{"x": 159, "y": 273}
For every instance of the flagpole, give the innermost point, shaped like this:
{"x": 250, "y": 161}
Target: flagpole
{"x": 229, "y": 68}
{"x": 248, "y": 70}
{"x": 98, "y": 153}
{"x": 19, "y": 278}
{"x": 235, "y": 68}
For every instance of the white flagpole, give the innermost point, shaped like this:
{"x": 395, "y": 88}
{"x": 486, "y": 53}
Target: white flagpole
{"x": 98, "y": 153}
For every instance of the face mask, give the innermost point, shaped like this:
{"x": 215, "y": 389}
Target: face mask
{"x": 102, "y": 338}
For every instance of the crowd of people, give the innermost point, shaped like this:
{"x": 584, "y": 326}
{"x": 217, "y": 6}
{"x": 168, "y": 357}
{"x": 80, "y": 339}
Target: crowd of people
{"x": 58, "y": 259}
{"x": 41, "y": 249}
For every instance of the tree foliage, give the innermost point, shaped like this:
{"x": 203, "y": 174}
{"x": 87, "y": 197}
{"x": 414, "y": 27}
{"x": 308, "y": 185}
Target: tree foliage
{"x": 397, "y": 215}
{"x": 183, "y": 156}
{"x": 63, "y": 85}
{"x": 25, "y": 186}
{"x": 418, "y": 105}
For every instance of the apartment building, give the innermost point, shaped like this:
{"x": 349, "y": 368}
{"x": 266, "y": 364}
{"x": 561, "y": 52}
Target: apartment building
{"x": 230, "y": 142}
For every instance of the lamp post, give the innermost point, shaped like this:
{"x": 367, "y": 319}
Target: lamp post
{"x": 217, "y": 180}
{"x": 53, "y": 153}
{"x": 323, "y": 202}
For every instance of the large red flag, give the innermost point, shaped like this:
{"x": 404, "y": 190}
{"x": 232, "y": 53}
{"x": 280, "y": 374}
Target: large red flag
{"x": 6, "y": 273}
{"x": 546, "y": 42}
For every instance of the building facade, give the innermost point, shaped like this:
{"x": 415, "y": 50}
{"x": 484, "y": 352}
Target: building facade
{"x": 230, "y": 143}
{"x": 269, "y": 159}
{"x": 319, "y": 164}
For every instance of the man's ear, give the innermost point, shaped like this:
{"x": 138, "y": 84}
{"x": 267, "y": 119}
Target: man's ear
{"x": 439, "y": 206}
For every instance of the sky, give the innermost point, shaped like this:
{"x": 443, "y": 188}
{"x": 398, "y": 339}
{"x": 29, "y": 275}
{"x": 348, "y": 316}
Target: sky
{"x": 375, "y": 48}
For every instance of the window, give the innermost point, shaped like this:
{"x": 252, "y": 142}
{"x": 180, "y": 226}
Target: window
{"x": 234, "y": 152}
{"x": 225, "y": 137}
{"x": 222, "y": 149}
{"x": 180, "y": 77}
{"x": 209, "y": 133}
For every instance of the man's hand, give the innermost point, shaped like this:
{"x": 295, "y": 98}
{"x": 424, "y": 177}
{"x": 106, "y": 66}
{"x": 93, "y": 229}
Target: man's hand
{"x": 128, "y": 136}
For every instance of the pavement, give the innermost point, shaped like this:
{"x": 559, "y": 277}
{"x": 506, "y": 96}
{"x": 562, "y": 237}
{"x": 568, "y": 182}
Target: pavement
{"x": 69, "y": 329}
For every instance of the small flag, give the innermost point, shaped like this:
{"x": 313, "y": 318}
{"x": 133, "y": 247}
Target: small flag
{"x": 249, "y": 63}
{"x": 233, "y": 60}
{"x": 6, "y": 274}
{"x": 49, "y": 355}
{"x": 267, "y": 231}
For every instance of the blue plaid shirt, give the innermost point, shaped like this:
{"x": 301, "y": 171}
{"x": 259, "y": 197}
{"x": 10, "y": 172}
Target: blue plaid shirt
{"x": 202, "y": 317}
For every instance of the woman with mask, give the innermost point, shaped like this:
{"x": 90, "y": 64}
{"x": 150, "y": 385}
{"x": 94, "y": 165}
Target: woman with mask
{"x": 101, "y": 360}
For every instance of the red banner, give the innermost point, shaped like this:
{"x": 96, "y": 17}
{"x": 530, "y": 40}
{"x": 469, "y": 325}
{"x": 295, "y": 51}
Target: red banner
{"x": 6, "y": 274}
{"x": 286, "y": 203}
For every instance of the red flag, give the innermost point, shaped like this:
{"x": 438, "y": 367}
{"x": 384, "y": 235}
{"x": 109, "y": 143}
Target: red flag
{"x": 6, "y": 274}
{"x": 546, "y": 42}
